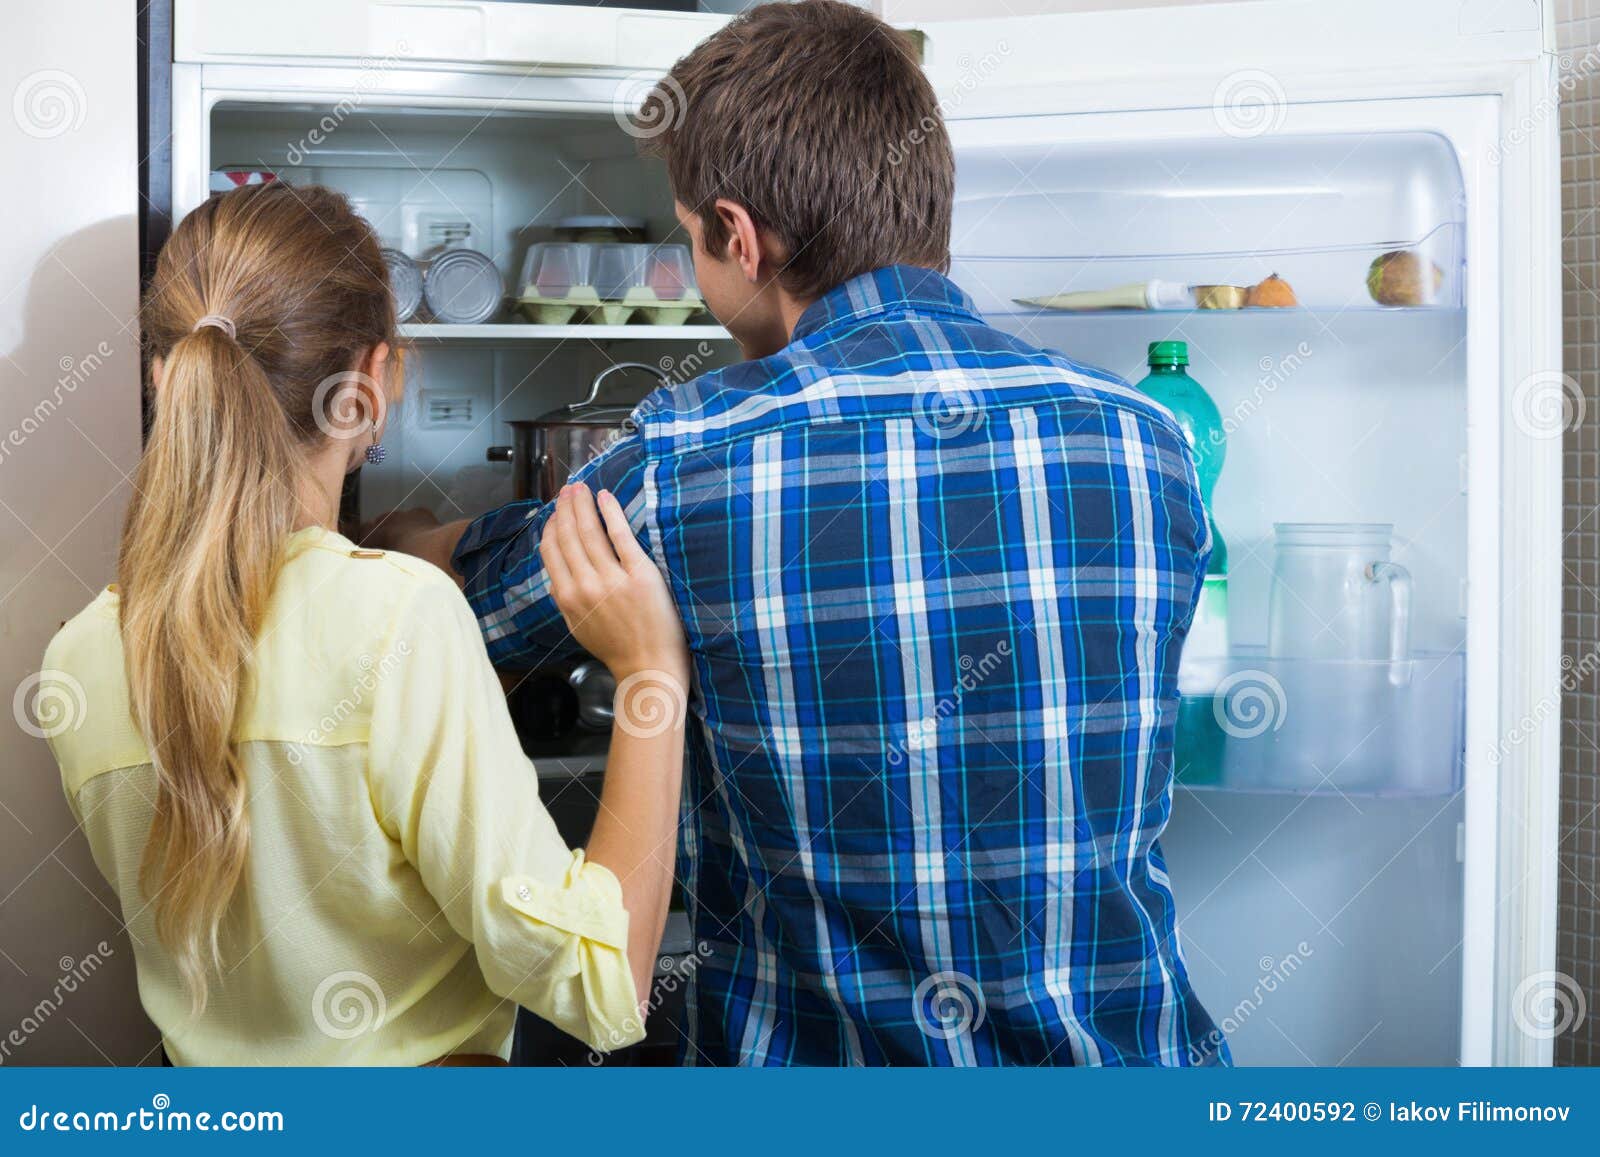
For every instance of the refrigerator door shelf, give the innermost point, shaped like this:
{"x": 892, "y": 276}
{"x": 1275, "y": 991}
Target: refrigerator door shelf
{"x": 1325, "y": 726}
{"x": 1423, "y": 273}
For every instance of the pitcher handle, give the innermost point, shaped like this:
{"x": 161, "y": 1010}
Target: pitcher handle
{"x": 1399, "y": 580}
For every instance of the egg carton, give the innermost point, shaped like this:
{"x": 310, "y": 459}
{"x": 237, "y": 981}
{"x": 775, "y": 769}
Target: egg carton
{"x": 582, "y": 306}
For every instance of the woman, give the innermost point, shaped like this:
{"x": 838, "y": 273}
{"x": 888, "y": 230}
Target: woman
{"x": 297, "y": 768}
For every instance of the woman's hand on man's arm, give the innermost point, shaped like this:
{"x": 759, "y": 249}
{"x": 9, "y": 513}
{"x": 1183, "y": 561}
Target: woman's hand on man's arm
{"x": 617, "y": 606}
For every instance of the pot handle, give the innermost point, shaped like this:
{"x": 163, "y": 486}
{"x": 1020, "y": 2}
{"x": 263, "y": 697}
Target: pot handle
{"x": 594, "y": 386}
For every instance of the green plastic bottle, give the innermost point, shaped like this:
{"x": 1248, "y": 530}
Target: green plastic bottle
{"x": 1170, "y": 384}
{"x": 1201, "y": 743}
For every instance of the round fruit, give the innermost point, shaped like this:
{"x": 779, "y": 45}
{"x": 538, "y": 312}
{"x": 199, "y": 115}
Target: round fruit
{"x": 1403, "y": 277}
{"x": 1270, "y": 293}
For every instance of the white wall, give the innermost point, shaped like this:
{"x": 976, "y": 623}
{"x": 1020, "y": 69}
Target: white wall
{"x": 69, "y": 434}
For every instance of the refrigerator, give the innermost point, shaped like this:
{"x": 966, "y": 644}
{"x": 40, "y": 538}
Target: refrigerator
{"x": 1369, "y": 876}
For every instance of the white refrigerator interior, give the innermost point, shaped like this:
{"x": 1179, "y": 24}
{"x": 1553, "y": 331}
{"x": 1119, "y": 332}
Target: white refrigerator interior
{"x": 1368, "y": 880}
{"x": 1320, "y": 919}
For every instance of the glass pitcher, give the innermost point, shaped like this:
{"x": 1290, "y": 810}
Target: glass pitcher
{"x": 1336, "y": 595}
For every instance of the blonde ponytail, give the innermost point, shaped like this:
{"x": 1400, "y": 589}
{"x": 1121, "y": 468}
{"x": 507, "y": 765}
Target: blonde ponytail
{"x": 215, "y": 497}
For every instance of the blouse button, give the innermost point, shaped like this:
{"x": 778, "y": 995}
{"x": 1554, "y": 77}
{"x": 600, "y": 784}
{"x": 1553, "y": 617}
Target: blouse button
{"x": 524, "y": 893}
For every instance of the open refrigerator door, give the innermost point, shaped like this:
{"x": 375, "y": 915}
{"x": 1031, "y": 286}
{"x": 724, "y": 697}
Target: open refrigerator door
{"x": 1342, "y": 218}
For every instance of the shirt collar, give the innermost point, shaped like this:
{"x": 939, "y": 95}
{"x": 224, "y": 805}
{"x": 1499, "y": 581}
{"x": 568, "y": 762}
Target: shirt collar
{"x": 893, "y": 289}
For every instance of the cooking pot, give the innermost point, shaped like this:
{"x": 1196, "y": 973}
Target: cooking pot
{"x": 546, "y": 451}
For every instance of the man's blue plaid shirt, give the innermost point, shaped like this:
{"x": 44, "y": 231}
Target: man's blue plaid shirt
{"x": 935, "y": 582}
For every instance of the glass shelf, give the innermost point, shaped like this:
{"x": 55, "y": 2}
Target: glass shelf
{"x": 1329, "y": 279}
{"x": 508, "y": 333}
{"x": 1323, "y": 726}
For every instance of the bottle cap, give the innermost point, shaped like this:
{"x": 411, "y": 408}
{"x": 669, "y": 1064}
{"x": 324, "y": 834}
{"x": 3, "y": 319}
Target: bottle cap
{"x": 1169, "y": 353}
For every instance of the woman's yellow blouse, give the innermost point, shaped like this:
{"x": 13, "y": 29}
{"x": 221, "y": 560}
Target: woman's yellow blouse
{"x": 405, "y": 888}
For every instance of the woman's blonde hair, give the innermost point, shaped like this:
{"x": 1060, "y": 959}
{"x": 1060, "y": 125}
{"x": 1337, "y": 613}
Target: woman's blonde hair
{"x": 301, "y": 280}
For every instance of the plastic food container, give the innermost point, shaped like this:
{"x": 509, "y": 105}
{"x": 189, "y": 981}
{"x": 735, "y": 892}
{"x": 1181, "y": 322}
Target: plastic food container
{"x": 405, "y": 283}
{"x": 609, "y": 283}
{"x": 557, "y": 286}
{"x": 463, "y": 287}
{"x": 1325, "y": 726}
{"x": 653, "y": 282}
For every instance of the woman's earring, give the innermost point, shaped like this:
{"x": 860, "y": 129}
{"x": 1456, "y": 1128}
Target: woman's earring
{"x": 375, "y": 452}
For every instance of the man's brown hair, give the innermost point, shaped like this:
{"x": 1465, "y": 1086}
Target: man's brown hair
{"x": 817, "y": 118}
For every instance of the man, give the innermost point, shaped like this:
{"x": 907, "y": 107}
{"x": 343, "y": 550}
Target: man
{"x": 935, "y": 583}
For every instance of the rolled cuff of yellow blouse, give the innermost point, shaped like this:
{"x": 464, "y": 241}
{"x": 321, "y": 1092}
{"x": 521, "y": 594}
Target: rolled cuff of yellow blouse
{"x": 561, "y": 952}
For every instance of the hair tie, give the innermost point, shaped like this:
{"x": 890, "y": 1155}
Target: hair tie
{"x": 222, "y": 323}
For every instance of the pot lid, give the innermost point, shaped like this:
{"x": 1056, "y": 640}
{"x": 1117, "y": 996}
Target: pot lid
{"x": 597, "y": 415}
